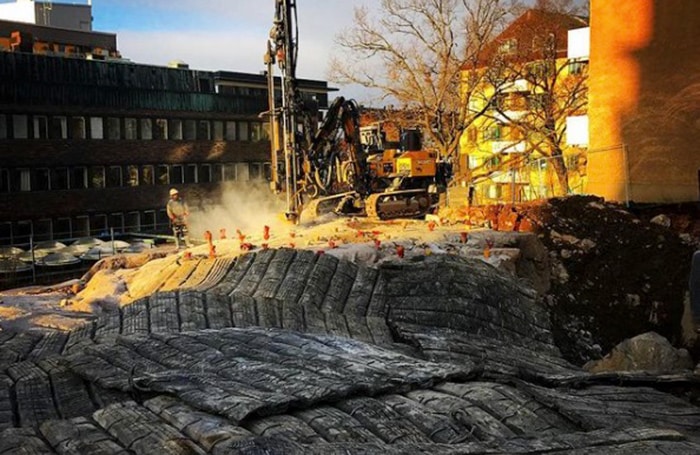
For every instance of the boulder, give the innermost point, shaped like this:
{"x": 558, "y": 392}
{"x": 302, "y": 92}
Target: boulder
{"x": 647, "y": 352}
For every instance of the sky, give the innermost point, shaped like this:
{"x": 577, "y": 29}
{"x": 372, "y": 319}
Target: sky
{"x": 226, "y": 35}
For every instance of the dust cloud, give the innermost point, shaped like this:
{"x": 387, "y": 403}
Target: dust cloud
{"x": 240, "y": 206}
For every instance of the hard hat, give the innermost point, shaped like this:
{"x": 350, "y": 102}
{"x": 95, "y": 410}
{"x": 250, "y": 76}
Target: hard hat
{"x": 173, "y": 191}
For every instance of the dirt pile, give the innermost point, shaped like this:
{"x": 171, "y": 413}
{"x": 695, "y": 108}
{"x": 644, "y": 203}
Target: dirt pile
{"x": 614, "y": 274}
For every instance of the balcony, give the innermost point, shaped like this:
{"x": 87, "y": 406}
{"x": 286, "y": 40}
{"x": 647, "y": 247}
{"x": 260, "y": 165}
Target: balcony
{"x": 520, "y": 85}
{"x": 508, "y": 147}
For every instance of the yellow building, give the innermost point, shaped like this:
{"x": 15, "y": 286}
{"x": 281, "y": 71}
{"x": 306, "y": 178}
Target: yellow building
{"x": 517, "y": 149}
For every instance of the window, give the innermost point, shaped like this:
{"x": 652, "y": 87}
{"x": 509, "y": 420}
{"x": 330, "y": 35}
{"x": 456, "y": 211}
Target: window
{"x": 495, "y": 191}
{"x": 177, "y": 174}
{"x": 132, "y": 222}
{"x": 96, "y": 128}
{"x": 230, "y": 133}
{"x": 116, "y": 222}
{"x": 577, "y": 67}
{"x": 191, "y": 173}
{"x": 161, "y": 129}
{"x": 148, "y": 223}
{"x": 509, "y": 46}
{"x": 255, "y": 171}
{"x": 218, "y": 131}
{"x": 79, "y": 178}
{"x": 255, "y": 133}
{"x": 63, "y": 228}
{"x": 19, "y": 127}
{"x": 132, "y": 175}
{"x": 41, "y": 127}
{"x": 59, "y": 128}
{"x": 114, "y": 176}
{"x": 77, "y": 128}
{"x": 23, "y": 232}
{"x": 243, "y": 131}
{"x": 81, "y": 226}
{"x": 113, "y": 129}
{"x": 540, "y": 70}
{"x": 41, "y": 179}
{"x": 265, "y": 132}
{"x": 203, "y": 130}
{"x": 146, "y": 129}
{"x": 175, "y": 130}
{"x": 98, "y": 225}
{"x": 162, "y": 174}
{"x": 21, "y": 180}
{"x": 242, "y": 172}
{"x": 130, "y": 129}
{"x": 229, "y": 172}
{"x": 493, "y": 133}
{"x": 204, "y": 173}
{"x": 497, "y": 102}
{"x": 147, "y": 175}
{"x": 538, "y": 101}
{"x": 217, "y": 173}
{"x": 59, "y": 178}
{"x": 43, "y": 230}
{"x": 96, "y": 176}
{"x": 162, "y": 218}
{"x": 190, "y": 130}
{"x": 3, "y": 126}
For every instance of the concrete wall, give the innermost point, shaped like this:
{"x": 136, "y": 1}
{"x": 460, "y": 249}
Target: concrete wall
{"x": 644, "y": 101}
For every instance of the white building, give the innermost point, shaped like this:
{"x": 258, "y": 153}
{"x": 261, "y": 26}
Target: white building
{"x": 578, "y": 52}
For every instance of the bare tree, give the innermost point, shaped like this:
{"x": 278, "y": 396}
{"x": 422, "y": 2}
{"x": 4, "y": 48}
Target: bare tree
{"x": 415, "y": 52}
{"x": 556, "y": 89}
{"x": 574, "y": 7}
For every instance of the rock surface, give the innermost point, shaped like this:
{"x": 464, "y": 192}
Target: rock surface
{"x": 646, "y": 352}
{"x": 614, "y": 275}
{"x": 287, "y": 351}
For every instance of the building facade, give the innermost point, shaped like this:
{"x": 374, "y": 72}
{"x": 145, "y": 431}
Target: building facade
{"x": 69, "y": 16}
{"x": 90, "y": 145}
{"x": 645, "y": 100}
{"x": 517, "y": 148}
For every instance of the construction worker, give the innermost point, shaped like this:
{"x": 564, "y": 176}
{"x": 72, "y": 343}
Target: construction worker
{"x": 177, "y": 212}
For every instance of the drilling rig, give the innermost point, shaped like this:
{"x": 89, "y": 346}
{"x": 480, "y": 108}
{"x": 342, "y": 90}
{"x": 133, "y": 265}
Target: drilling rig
{"x": 337, "y": 165}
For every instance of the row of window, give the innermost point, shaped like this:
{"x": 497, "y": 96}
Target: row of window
{"x": 520, "y": 101}
{"x": 573, "y": 161}
{"x": 21, "y": 126}
{"x": 95, "y": 177}
{"x": 20, "y": 233}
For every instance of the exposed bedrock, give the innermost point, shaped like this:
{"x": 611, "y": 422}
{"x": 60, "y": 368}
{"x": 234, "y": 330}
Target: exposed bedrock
{"x": 287, "y": 351}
